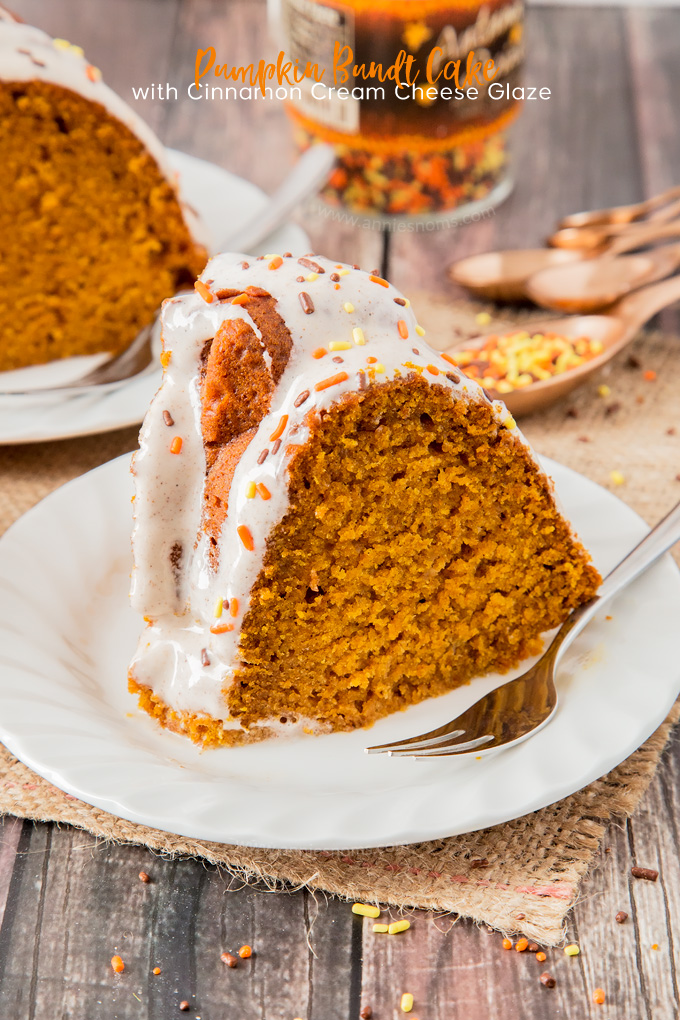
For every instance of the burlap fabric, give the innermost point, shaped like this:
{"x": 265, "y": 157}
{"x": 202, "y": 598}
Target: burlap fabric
{"x": 523, "y": 875}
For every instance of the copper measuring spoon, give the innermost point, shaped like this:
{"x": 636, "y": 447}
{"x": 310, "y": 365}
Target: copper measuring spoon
{"x": 620, "y": 213}
{"x": 593, "y": 284}
{"x": 595, "y": 236}
{"x": 614, "y": 330}
{"x": 503, "y": 275}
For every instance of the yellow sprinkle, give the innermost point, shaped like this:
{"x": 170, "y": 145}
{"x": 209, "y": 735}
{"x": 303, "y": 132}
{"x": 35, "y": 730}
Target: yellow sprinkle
{"x": 482, "y": 318}
{"x": 218, "y": 608}
{"x": 406, "y": 1002}
{"x": 381, "y": 929}
{"x": 339, "y": 345}
{"x": 603, "y": 390}
{"x": 358, "y": 336}
{"x": 420, "y": 331}
{"x": 509, "y": 422}
{"x": 272, "y": 256}
{"x": 349, "y": 307}
{"x": 250, "y": 490}
{"x": 165, "y": 358}
{"x": 398, "y": 926}
{"x": 572, "y": 950}
{"x": 379, "y": 367}
{"x": 407, "y": 303}
{"x": 61, "y": 44}
{"x": 343, "y": 272}
{"x": 310, "y": 277}
{"x": 616, "y": 478}
{"x": 78, "y": 50}
{"x": 365, "y": 910}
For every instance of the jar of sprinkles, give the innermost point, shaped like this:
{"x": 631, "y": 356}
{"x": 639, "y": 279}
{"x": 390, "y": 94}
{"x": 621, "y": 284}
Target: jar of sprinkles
{"x": 403, "y": 90}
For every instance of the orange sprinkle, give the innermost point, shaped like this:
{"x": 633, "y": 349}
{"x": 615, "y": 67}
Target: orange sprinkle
{"x": 221, "y": 628}
{"x": 246, "y": 537}
{"x": 337, "y": 286}
{"x": 93, "y": 73}
{"x": 117, "y": 964}
{"x": 201, "y": 289}
{"x": 378, "y": 279}
{"x": 263, "y": 490}
{"x": 371, "y": 361}
{"x": 233, "y": 607}
{"x": 598, "y": 996}
{"x": 319, "y": 352}
{"x": 244, "y": 952}
{"x": 278, "y": 431}
{"x": 449, "y": 359}
{"x": 275, "y": 262}
{"x": 176, "y": 445}
{"x": 403, "y": 329}
{"x": 165, "y": 358}
{"x": 156, "y": 970}
{"x": 332, "y": 380}
{"x": 241, "y": 299}
{"x": 507, "y": 944}
{"x": 433, "y": 370}
{"x": 649, "y": 375}
{"x": 521, "y": 945}
{"x": 541, "y": 957}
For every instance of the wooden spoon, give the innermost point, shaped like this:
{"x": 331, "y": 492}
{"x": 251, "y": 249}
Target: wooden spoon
{"x": 620, "y": 213}
{"x": 595, "y": 236}
{"x": 593, "y": 284}
{"x": 503, "y": 275}
{"x": 614, "y": 331}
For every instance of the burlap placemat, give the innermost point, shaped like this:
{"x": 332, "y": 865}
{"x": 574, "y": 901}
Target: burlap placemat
{"x": 523, "y": 875}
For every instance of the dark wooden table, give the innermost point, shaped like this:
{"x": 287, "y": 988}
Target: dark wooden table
{"x": 610, "y": 134}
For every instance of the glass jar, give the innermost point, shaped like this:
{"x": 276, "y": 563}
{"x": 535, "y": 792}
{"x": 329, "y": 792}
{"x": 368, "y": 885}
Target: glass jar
{"x": 428, "y": 138}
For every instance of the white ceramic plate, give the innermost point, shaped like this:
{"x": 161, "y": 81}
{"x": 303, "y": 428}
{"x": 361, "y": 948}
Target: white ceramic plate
{"x": 224, "y": 202}
{"x": 67, "y": 633}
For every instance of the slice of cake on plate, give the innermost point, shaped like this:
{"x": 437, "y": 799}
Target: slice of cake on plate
{"x": 93, "y": 235}
{"x": 331, "y": 521}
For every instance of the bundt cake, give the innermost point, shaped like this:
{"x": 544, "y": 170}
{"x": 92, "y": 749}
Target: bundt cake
{"x": 331, "y": 521}
{"x": 92, "y": 233}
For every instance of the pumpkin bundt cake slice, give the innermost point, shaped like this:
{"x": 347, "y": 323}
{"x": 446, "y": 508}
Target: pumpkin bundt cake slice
{"x": 332, "y": 522}
{"x": 93, "y": 235}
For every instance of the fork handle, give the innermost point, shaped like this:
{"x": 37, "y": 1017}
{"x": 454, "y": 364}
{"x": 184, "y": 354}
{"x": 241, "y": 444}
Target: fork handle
{"x": 659, "y": 540}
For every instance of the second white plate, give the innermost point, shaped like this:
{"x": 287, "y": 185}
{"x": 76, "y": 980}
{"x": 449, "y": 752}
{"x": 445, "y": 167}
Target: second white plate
{"x": 67, "y": 634}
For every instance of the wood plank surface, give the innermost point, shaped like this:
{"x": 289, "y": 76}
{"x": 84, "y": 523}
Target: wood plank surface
{"x": 611, "y": 134}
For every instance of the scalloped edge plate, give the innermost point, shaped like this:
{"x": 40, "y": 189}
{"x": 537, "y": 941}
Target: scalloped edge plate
{"x": 67, "y": 632}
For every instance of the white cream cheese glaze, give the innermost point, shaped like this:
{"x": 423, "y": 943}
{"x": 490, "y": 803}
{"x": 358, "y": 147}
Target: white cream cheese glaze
{"x": 29, "y": 54}
{"x": 170, "y": 487}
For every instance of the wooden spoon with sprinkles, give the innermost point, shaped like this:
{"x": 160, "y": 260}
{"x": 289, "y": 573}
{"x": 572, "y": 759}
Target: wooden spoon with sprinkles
{"x": 613, "y": 331}
{"x": 596, "y": 235}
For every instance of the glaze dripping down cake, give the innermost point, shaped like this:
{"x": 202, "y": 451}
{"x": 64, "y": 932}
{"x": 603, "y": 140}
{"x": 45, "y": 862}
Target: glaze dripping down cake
{"x": 93, "y": 235}
{"x": 331, "y": 521}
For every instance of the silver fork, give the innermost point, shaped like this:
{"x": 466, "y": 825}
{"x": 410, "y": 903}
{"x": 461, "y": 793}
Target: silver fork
{"x": 522, "y": 706}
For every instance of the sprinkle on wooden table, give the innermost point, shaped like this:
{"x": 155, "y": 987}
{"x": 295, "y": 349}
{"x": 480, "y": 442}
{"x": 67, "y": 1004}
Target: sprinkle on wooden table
{"x": 649, "y": 375}
{"x": 117, "y": 964}
{"x": 521, "y": 945}
{"x": 278, "y": 431}
{"x": 348, "y": 307}
{"x": 332, "y": 380}
{"x": 378, "y": 279}
{"x": 398, "y": 926}
{"x": 532, "y": 947}
{"x": 156, "y": 971}
{"x": 621, "y": 917}
{"x": 301, "y": 397}
{"x": 306, "y": 302}
{"x": 406, "y": 1002}
{"x": 547, "y": 980}
{"x": 168, "y": 419}
{"x": 201, "y": 289}
{"x": 245, "y": 952}
{"x": 616, "y": 478}
{"x": 263, "y": 456}
{"x": 250, "y": 490}
{"x": 541, "y": 957}
{"x": 366, "y": 1013}
{"x": 403, "y": 329}
{"x": 339, "y": 345}
{"x": 507, "y": 944}
{"x": 244, "y": 534}
{"x": 263, "y": 491}
{"x": 648, "y": 873}
{"x": 599, "y": 996}
{"x": 176, "y": 445}
{"x": 275, "y": 263}
{"x": 240, "y": 299}
{"x": 184, "y": 1006}
{"x": 571, "y": 950}
{"x": 229, "y": 959}
{"x": 143, "y": 877}
{"x": 655, "y": 945}
{"x": 365, "y": 910}
{"x": 358, "y": 336}
{"x": 603, "y": 390}
{"x": 380, "y": 929}
{"x": 420, "y": 331}
{"x": 320, "y": 352}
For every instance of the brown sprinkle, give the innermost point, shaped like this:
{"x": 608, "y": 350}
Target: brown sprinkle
{"x": 633, "y": 362}
{"x": 355, "y": 266}
{"x": 362, "y": 380}
{"x": 400, "y": 301}
{"x": 263, "y": 456}
{"x": 205, "y": 658}
{"x": 520, "y": 917}
{"x": 168, "y": 419}
{"x": 612, "y": 408}
{"x": 184, "y": 1006}
{"x": 245, "y": 265}
{"x": 532, "y": 947}
{"x": 621, "y": 917}
{"x": 479, "y": 862}
{"x": 584, "y": 439}
{"x": 231, "y": 961}
{"x": 415, "y": 350}
{"x": 648, "y": 873}
{"x": 143, "y": 877}
{"x": 366, "y": 1013}
{"x": 338, "y": 361}
{"x": 334, "y": 277}
{"x": 301, "y": 397}
{"x": 572, "y": 412}
{"x": 452, "y": 377}
{"x": 276, "y": 446}
{"x": 547, "y": 980}
{"x": 670, "y": 431}
{"x": 299, "y": 279}
{"x": 287, "y": 255}
{"x": 306, "y": 302}
{"x": 314, "y": 266}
